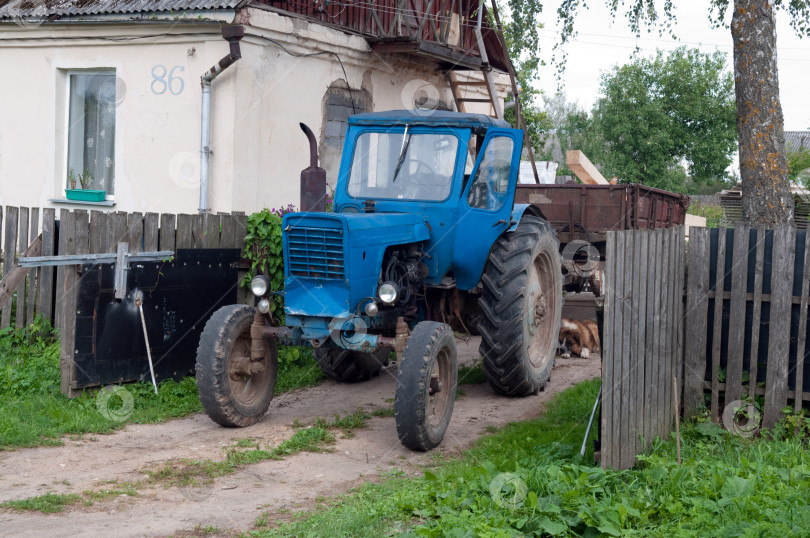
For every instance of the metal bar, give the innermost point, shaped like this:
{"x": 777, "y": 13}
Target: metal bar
{"x": 79, "y": 259}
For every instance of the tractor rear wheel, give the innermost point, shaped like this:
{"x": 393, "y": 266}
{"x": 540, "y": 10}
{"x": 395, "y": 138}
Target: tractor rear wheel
{"x": 521, "y": 303}
{"x": 426, "y": 386}
{"x": 351, "y": 366}
{"x": 235, "y": 390}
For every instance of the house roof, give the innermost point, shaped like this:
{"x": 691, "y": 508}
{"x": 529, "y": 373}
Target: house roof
{"x": 795, "y": 140}
{"x": 24, "y": 9}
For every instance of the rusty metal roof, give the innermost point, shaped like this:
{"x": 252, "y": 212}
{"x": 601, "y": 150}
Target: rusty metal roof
{"x": 16, "y": 9}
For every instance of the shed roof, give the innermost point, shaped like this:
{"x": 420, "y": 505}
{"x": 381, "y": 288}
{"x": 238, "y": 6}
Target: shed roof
{"x": 24, "y": 9}
{"x": 795, "y": 140}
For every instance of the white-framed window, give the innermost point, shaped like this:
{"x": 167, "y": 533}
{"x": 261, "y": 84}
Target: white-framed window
{"x": 91, "y": 130}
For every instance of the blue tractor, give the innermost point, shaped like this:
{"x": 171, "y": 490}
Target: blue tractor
{"x": 424, "y": 238}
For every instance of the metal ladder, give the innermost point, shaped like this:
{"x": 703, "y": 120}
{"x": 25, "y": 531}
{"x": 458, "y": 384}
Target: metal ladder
{"x": 457, "y": 84}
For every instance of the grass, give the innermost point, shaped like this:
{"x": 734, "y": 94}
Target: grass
{"x": 197, "y": 472}
{"x": 528, "y": 479}
{"x": 471, "y": 375}
{"x": 34, "y": 413}
{"x": 48, "y": 503}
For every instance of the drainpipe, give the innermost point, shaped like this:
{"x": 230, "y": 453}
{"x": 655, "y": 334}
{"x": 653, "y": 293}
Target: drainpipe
{"x": 232, "y": 34}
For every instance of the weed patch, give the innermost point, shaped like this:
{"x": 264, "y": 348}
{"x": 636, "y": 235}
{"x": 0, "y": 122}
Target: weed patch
{"x": 528, "y": 479}
{"x": 49, "y": 503}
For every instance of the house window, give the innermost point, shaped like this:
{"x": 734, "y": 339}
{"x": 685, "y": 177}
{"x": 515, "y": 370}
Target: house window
{"x": 91, "y": 130}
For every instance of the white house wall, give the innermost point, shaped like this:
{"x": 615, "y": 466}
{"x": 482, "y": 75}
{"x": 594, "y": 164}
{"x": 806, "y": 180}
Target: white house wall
{"x": 257, "y": 147}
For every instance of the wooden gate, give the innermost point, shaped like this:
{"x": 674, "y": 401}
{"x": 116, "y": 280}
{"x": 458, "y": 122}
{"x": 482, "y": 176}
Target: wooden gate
{"x": 642, "y": 340}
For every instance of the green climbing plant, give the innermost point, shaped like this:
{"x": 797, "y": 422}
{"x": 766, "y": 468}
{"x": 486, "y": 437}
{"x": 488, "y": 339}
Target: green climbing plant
{"x": 264, "y": 251}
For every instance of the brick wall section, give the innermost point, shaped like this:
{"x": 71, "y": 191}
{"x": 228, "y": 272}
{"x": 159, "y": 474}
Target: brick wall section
{"x": 339, "y": 104}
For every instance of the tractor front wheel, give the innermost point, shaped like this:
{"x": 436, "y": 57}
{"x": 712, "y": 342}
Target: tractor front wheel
{"x": 426, "y": 386}
{"x": 521, "y": 303}
{"x": 235, "y": 390}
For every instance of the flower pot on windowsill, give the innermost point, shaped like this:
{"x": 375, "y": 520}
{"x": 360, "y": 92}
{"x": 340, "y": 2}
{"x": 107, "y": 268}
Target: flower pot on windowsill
{"x": 86, "y": 195}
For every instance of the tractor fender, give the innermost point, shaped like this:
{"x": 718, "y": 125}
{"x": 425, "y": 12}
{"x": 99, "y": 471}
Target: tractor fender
{"x": 518, "y": 211}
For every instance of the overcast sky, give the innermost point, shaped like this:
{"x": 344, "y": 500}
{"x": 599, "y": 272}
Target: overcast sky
{"x": 602, "y": 44}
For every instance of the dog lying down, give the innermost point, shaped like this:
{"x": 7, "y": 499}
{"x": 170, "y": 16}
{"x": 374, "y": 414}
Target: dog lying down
{"x": 578, "y": 338}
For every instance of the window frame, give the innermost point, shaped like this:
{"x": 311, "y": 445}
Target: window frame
{"x": 108, "y": 197}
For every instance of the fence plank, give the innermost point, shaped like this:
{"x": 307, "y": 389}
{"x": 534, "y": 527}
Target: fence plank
{"x": 649, "y": 328}
{"x": 736, "y": 321}
{"x": 784, "y": 246}
{"x": 680, "y": 268}
{"x": 117, "y": 230}
{"x": 616, "y": 388}
{"x": 185, "y": 239}
{"x": 150, "y": 232}
{"x": 167, "y": 229}
{"x": 660, "y": 334}
{"x": 640, "y": 301}
{"x": 135, "y": 232}
{"x": 22, "y": 245}
{"x": 228, "y": 234}
{"x": 632, "y": 348}
{"x": 697, "y": 306}
{"x": 98, "y": 231}
{"x": 65, "y": 274}
{"x": 45, "y": 287}
{"x": 606, "y": 416}
{"x": 198, "y": 230}
{"x": 717, "y": 333}
{"x": 34, "y": 273}
{"x": 211, "y": 231}
{"x": 759, "y": 272}
{"x": 10, "y": 250}
{"x": 628, "y": 443}
{"x": 671, "y": 311}
{"x": 802, "y": 334}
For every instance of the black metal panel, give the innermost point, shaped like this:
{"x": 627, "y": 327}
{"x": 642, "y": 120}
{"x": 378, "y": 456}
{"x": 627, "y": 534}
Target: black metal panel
{"x": 178, "y": 298}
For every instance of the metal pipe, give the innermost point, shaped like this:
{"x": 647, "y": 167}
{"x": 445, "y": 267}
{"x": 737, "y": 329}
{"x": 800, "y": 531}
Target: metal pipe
{"x": 232, "y": 34}
{"x": 590, "y": 422}
{"x": 313, "y": 145}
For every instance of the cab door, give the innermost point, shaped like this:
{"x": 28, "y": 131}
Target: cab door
{"x": 486, "y": 204}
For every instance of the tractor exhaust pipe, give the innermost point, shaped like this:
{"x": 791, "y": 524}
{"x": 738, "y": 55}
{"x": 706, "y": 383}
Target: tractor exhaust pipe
{"x": 313, "y": 179}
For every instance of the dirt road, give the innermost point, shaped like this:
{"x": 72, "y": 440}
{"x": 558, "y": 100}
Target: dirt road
{"x": 234, "y": 501}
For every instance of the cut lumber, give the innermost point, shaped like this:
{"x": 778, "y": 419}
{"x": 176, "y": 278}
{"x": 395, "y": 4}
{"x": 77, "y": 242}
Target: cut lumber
{"x": 582, "y": 167}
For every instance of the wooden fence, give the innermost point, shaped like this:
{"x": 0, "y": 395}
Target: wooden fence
{"x": 746, "y": 317}
{"x": 52, "y": 292}
{"x": 641, "y": 340}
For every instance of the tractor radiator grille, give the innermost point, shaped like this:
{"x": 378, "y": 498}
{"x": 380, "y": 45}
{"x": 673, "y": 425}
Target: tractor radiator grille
{"x": 316, "y": 252}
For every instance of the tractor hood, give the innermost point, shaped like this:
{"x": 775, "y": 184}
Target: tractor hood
{"x": 332, "y": 260}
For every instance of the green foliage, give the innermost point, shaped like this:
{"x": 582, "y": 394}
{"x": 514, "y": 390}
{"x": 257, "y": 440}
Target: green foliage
{"x": 727, "y": 486}
{"x": 657, "y": 113}
{"x": 712, "y": 212}
{"x": 48, "y": 503}
{"x": 263, "y": 249}
{"x": 798, "y": 163}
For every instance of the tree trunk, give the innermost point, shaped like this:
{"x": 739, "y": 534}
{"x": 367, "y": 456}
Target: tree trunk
{"x": 766, "y": 197}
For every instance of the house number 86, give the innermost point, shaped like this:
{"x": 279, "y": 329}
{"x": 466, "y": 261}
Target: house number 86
{"x": 161, "y": 83}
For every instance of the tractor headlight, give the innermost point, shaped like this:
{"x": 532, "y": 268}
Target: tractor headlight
{"x": 259, "y": 286}
{"x": 388, "y": 293}
{"x": 263, "y": 306}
